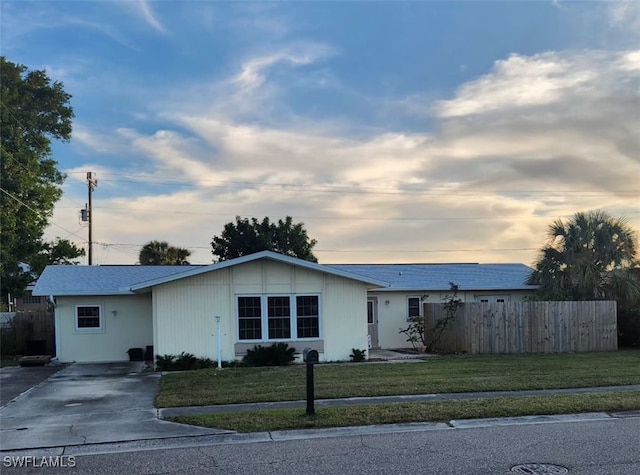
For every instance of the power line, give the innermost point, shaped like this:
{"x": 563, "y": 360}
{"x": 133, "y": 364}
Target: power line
{"x": 345, "y": 189}
{"x": 71, "y": 233}
{"x": 135, "y": 245}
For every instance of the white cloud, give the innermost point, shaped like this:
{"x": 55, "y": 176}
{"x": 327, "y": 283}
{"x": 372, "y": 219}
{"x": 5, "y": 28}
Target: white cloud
{"x": 625, "y": 14}
{"x": 518, "y": 82}
{"x": 253, "y": 71}
{"x": 536, "y": 138}
{"x": 144, "y": 10}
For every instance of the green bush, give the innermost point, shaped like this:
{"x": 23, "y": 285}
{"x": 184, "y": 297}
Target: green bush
{"x": 278, "y": 354}
{"x": 358, "y": 355}
{"x": 184, "y": 362}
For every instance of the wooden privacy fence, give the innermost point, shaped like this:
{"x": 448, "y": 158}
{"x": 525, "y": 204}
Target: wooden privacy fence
{"x": 526, "y": 327}
{"x": 28, "y": 333}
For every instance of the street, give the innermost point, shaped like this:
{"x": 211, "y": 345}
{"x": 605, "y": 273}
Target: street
{"x": 607, "y": 446}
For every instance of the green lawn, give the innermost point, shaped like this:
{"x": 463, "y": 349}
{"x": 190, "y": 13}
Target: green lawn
{"x": 435, "y": 411}
{"x": 443, "y": 374}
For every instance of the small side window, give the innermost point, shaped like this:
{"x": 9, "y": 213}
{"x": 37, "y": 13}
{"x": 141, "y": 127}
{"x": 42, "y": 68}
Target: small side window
{"x": 88, "y": 318}
{"x": 413, "y": 307}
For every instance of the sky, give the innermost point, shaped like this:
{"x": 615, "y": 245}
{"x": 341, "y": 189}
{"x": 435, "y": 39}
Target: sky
{"x": 396, "y": 131}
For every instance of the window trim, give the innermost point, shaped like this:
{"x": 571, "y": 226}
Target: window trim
{"x": 98, "y": 329}
{"x": 420, "y": 311}
{"x": 264, "y": 311}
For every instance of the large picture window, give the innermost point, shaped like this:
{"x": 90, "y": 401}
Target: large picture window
{"x": 88, "y": 318}
{"x": 285, "y": 317}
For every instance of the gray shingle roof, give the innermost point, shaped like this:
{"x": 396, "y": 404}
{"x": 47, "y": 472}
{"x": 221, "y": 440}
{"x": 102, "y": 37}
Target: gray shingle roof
{"x": 436, "y": 277}
{"x": 99, "y": 280}
{"x": 114, "y": 280}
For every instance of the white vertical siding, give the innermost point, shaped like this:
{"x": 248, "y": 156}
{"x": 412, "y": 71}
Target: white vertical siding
{"x": 185, "y": 309}
{"x": 185, "y": 313}
{"x": 131, "y": 327}
{"x": 345, "y": 317}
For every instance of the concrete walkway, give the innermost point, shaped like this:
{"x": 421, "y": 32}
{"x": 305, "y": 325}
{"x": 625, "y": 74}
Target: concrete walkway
{"x": 195, "y": 410}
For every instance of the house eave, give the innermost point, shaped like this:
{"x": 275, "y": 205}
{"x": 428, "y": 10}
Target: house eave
{"x": 84, "y": 293}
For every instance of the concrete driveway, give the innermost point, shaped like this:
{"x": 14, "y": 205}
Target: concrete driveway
{"x": 89, "y": 404}
{"x": 14, "y": 380}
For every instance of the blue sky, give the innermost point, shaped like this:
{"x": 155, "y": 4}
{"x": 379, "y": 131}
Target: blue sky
{"x": 397, "y": 131}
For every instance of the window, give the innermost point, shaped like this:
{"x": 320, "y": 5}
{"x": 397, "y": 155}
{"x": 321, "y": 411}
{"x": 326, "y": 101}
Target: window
{"x": 88, "y": 318}
{"x": 249, "y": 318}
{"x": 499, "y": 298}
{"x": 279, "y": 316}
{"x": 31, "y": 299}
{"x": 286, "y": 317}
{"x": 413, "y": 307}
{"x": 308, "y": 316}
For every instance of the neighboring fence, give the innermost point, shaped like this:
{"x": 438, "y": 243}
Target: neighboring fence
{"x": 28, "y": 333}
{"x": 527, "y": 327}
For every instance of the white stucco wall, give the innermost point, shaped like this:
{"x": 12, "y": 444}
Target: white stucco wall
{"x": 185, "y": 310}
{"x": 130, "y": 327}
{"x": 392, "y": 310}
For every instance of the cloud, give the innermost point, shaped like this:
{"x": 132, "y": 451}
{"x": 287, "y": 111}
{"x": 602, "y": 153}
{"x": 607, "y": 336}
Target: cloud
{"x": 625, "y": 14}
{"x": 253, "y": 71}
{"x": 536, "y": 138}
{"x": 144, "y": 10}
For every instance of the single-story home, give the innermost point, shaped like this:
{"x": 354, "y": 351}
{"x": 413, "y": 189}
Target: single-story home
{"x": 103, "y": 311}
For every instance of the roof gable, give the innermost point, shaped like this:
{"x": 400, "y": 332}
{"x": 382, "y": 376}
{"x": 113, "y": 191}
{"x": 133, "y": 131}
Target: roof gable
{"x": 270, "y": 255}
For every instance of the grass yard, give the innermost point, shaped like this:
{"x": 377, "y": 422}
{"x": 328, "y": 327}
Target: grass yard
{"x": 443, "y": 374}
{"x": 435, "y": 411}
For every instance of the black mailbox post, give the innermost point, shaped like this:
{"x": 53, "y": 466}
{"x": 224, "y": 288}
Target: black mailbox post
{"x": 310, "y": 357}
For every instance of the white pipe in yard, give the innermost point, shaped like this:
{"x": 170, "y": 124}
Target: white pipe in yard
{"x": 219, "y": 341}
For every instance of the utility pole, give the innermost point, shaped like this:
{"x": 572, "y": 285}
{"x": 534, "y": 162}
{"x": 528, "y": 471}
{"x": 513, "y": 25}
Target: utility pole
{"x": 91, "y": 184}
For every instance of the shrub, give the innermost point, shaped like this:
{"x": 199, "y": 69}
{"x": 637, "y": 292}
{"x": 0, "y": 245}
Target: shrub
{"x": 278, "y": 354}
{"x": 186, "y": 361}
{"x": 183, "y": 362}
{"x": 165, "y": 362}
{"x": 358, "y": 355}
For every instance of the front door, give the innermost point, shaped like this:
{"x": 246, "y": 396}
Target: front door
{"x": 372, "y": 320}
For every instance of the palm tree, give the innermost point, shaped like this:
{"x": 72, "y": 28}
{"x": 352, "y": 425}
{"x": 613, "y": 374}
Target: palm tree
{"x": 156, "y": 253}
{"x": 590, "y": 257}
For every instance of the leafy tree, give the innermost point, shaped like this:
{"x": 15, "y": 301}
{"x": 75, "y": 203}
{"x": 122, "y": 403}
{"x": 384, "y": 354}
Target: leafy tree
{"x": 160, "y": 253}
{"x": 34, "y": 111}
{"x": 60, "y": 251}
{"x": 248, "y": 236}
{"x": 592, "y": 256}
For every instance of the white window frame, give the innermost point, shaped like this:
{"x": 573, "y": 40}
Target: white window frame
{"x": 98, "y": 329}
{"x": 264, "y": 312}
{"x": 420, "y": 312}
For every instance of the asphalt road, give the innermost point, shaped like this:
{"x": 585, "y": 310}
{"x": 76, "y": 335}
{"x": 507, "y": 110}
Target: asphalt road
{"x": 593, "y": 447}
